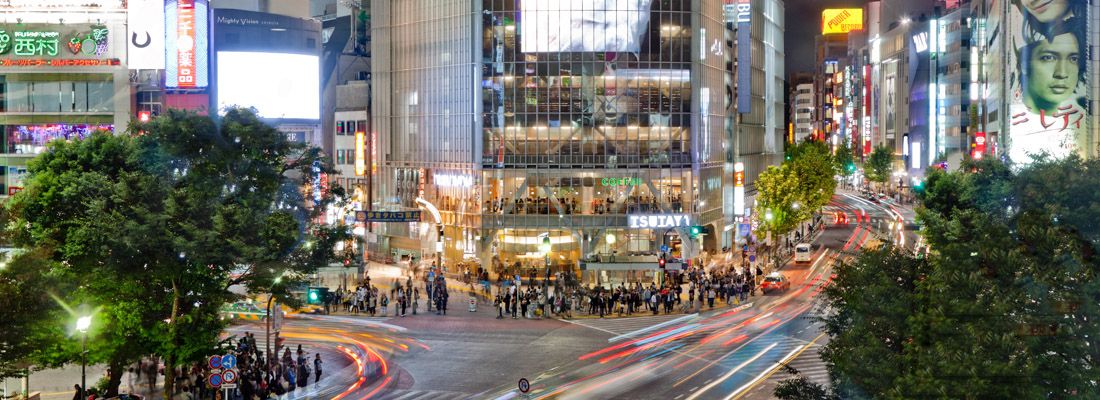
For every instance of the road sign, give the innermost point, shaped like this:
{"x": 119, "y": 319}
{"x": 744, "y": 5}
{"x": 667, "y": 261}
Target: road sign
{"x": 229, "y": 386}
{"x": 215, "y": 381}
{"x": 664, "y": 248}
{"x": 752, "y": 258}
{"x": 229, "y": 361}
{"x": 229, "y": 376}
{"x": 214, "y": 362}
{"x": 524, "y": 385}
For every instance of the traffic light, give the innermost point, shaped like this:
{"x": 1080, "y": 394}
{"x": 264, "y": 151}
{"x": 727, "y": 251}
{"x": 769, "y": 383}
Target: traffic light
{"x": 661, "y": 261}
{"x": 316, "y": 295}
{"x": 696, "y": 231}
{"x": 851, "y": 167}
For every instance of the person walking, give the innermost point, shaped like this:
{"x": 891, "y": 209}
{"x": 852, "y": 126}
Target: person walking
{"x": 317, "y": 368}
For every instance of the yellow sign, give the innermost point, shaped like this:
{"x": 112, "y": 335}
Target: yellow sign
{"x": 841, "y": 20}
{"x": 360, "y": 154}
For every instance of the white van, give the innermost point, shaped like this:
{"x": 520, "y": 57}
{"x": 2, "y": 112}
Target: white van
{"x": 803, "y": 253}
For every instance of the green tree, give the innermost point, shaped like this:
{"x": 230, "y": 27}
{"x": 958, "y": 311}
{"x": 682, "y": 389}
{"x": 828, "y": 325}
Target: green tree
{"x": 34, "y": 326}
{"x": 193, "y": 206}
{"x": 880, "y": 164}
{"x": 777, "y": 191}
{"x": 844, "y": 161}
{"x": 1004, "y": 304}
{"x": 814, "y": 166}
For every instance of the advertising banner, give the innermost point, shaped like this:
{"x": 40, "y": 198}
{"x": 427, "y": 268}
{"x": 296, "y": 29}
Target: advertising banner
{"x": 145, "y": 42}
{"x": 556, "y": 26}
{"x": 186, "y": 51}
{"x": 841, "y": 20}
{"x": 1045, "y": 45}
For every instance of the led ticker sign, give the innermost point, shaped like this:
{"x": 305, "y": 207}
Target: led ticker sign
{"x": 841, "y": 20}
{"x": 42, "y": 62}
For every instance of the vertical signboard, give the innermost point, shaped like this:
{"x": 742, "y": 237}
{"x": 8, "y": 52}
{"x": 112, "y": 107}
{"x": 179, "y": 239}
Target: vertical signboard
{"x": 1045, "y": 76}
{"x": 360, "y": 153}
{"x": 186, "y": 51}
{"x": 145, "y": 39}
{"x": 743, "y": 19}
{"x": 739, "y": 188}
{"x": 979, "y": 146}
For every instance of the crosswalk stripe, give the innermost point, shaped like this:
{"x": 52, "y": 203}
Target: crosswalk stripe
{"x": 422, "y": 395}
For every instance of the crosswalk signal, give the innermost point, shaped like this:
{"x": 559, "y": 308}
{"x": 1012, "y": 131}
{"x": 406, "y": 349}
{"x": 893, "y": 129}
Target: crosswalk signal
{"x": 696, "y": 230}
{"x": 661, "y": 261}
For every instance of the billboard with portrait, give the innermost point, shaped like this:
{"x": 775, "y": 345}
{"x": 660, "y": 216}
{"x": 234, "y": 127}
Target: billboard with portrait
{"x": 554, "y": 26}
{"x": 1045, "y": 76}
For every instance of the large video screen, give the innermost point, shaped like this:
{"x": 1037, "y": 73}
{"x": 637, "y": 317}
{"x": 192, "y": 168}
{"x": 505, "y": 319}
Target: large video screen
{"x": 1046, "y": 73}
{"x": 551, "y": 26}
{"x": 283, "y": 86}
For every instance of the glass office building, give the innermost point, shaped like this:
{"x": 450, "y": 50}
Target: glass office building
{"x": 598, "y": 126}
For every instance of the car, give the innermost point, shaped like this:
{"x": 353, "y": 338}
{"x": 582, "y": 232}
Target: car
{"x": 803, "y": 253}
{"x": 775, "y": 281}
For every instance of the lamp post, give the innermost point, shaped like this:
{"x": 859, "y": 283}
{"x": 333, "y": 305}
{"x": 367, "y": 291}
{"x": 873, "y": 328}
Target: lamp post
{"x": 267, "y": 335}
{"x": 544, "y": 248}
{"x": 82, "y": 325}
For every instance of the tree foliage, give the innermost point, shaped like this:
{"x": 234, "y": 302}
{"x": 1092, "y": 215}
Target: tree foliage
{"x": 796, "y": 189}
{"x": 880, "y": 164}
{"x": 1005, "y": 304}
{"x": 155, "y": 227}
{"x": 844, "y": 162}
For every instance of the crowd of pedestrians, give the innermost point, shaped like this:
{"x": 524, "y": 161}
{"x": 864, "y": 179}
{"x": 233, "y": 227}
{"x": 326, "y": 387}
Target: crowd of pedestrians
{"x": 404, "y": 297}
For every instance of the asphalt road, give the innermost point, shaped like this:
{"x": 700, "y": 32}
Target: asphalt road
{"x": 726, "y": 352}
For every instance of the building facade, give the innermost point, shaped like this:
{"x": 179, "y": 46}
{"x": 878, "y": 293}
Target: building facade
{"x": 607, "y": 143}
{"x": 63, "y": 75}
{"x": 802, "y": 111}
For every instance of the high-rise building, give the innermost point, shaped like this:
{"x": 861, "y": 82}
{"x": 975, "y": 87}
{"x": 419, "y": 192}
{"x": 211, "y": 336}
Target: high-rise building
{"x": 538, "y": 135}
{"x": 802, "y": 110}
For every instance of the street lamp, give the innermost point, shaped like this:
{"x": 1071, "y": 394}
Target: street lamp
{"x": 544, "y": 248}
{"x": 82, "y": 325}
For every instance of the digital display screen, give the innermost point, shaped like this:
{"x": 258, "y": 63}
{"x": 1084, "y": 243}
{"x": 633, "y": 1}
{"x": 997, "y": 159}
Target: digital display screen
{"x": 279, "y": 86}
{"x": 553, "y": 26}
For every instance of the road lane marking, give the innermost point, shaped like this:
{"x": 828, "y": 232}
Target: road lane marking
{"x": 727, "y": 375}
{"x": 740, "y": 392}
{"x": 650, "y": 328}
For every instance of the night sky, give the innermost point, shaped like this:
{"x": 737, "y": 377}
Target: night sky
{"x": 803, "y": 23}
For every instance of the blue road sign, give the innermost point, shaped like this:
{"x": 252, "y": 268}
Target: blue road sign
{"x": 664, "y": 248}
{"x": 229, "y": 361}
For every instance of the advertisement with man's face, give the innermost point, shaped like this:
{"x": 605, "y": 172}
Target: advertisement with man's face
{"x": 556, "y": 26}
{"x": 1046, "y": 76}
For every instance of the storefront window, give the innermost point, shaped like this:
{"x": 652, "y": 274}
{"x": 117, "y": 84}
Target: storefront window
{"x": 60, "y": 96}
{"x": 32, "y": 139}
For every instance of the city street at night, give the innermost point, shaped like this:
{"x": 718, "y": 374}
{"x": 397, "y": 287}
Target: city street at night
{"x": 549, "y": 199}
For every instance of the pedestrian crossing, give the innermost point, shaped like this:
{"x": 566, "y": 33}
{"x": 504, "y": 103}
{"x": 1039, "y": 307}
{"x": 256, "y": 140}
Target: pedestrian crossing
{"x": 628, "y": 325}
{"x": 809, "y": 365}
{"x": 399, "y": 394}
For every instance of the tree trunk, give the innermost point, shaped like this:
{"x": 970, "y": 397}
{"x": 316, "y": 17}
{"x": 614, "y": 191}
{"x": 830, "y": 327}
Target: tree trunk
{"x": 170, "y": 356}
{"x": 115, "y": 369}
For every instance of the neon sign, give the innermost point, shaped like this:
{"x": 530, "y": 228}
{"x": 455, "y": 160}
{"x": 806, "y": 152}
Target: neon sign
{"x": 47, "y": 42}
{"x": 658, "y": 221}
{"x": 621, "y": 181}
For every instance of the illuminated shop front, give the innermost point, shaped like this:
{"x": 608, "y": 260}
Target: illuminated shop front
{"x": 59, "y": 81}
{"x": 568, "y": 134}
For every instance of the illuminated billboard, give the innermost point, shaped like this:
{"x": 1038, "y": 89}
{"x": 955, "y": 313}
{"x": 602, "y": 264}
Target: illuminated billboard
{"x": 145, "y": 44}
{"x": 57, "y": 45}
{"x": 279, "y": 86}
{"x": 841, "y": 20}
{"x": 186, "y": 53}
{"x": 554, "y": 26}
{"x": 1046, "y": 72}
